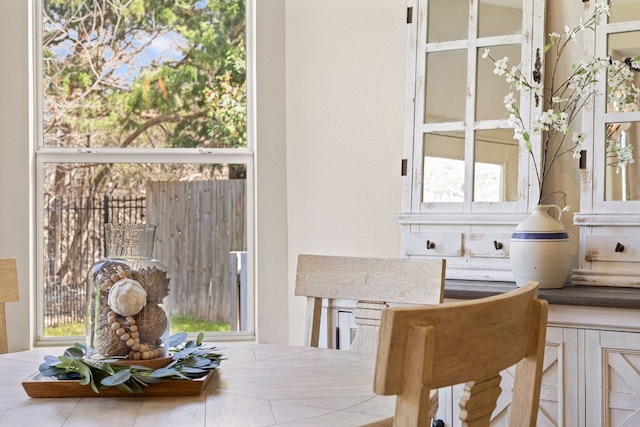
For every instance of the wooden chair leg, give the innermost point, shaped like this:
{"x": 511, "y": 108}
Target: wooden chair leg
{"x": 8, "y": 293}
{"x": 478, "y": 401}
{"x": 4, "y": 345}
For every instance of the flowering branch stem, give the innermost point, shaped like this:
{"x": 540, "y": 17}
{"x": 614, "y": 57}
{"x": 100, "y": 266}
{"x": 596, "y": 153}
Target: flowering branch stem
{"x": 563, "y": 103}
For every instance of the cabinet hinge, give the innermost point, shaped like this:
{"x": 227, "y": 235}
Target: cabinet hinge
{"x": 404, "y": 167}
{"x": 583, "y": 159}
{"x": 409, "y": 15}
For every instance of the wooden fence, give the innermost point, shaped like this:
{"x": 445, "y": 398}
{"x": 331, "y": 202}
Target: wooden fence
{"x": 198, "y": 225}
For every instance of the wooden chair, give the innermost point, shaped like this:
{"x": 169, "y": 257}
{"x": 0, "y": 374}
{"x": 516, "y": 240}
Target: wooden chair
{"x": 8, "y": 293}
{"x": 372, "y": 282}
{"x": 471, "y": 341}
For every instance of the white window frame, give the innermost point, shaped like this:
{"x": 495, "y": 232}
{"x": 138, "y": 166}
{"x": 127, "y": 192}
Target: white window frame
{"x": 42, "y": 155}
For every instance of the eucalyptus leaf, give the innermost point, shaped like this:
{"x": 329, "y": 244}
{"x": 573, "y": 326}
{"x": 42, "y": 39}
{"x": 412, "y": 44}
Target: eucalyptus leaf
{"x": 119, "y": 378}
{"x": 110, "y": 369}
{"x": 177, "y": 339}
{"x": 50, "y": 371}
{"x": 66, "y": 360}
{"x": 74, "y": 352}
{"x": 52, "y": 360}
{"x": 84, "y": 371}
{"x": 164, "y": 372}
{"x": 197, "y": 362}
{"x": 130, "y": 388}
{"x": 182, "y": 354}
{"x": 148, "y": 379}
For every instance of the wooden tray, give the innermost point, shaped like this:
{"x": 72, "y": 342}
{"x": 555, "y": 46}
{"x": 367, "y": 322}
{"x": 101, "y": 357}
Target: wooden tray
{"x": 39, "y": 386}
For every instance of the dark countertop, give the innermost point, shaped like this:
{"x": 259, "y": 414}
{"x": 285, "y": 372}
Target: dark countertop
{"x": 592, "y": 296}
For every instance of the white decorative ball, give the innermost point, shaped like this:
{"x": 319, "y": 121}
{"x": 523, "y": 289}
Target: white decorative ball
{"x": 127, "y": 297}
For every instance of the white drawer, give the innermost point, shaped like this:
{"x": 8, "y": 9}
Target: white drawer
{"x": 612, "y": 248}
{"x": 433, "y": 243}
{"x": 488, "y": 245}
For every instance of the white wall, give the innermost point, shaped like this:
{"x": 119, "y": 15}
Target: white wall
{"x": 566, "y": 175}
{"x": 271, "y": 206}
{"x": 14, "y": 160}
{"x": 345, "y": 67}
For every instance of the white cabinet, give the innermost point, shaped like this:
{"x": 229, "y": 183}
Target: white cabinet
{"x": 613, "y": 378}
{"x": 464, "y": 174}
{"x": 610, "y": 199}
{"x": 466, "y": 180}
{"x": 591, "y": 371}
{"x": 559, "y": 397}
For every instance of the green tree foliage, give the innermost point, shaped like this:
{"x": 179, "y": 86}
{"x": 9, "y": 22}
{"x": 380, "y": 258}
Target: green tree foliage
{"x": 144, "y": 73}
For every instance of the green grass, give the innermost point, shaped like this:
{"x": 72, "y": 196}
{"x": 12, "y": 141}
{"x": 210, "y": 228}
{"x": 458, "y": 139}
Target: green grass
{"x": 192, "y": 324}
{"x": 178, "y": 324}
{"x": 68, "y": 330}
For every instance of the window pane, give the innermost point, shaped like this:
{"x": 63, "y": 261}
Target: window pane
{"x": 443, "y": 169}
{"x": 448, "y": 20}
{"x": 621, "y": 184}
{"x": 622, "y": 138}
{"x": 490, "y": 88}
{"x": 446, "y": 102}
{"x": 144, "y": 74}
{"x": 496, "y": 166}
{"x": 201, "y": 217}
{"x": 624, "y": 10}
{"x": 497, "y": 19}
{"x": 621, "y": 46}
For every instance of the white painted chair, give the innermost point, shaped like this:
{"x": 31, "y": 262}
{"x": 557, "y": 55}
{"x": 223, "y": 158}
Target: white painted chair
{"x": 372, "y": 282}
{"x": 8, "y": 293}
{"x": 425, "y": 348}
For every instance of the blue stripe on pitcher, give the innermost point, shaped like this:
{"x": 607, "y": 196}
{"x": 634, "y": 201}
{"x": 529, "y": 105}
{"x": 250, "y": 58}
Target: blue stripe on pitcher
{"x": 539, "y": 236}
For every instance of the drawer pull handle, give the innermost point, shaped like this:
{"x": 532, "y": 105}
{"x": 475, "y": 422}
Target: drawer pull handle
{"x": 497, "y": 245}
{"x": 430, "y": 245}
{"x": 619, "y": 247}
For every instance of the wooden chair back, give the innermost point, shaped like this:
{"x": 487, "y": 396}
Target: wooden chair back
{"x": 464, "y": 342}
{"x": 372, "y": 282}
{"x": 8, "y": 293}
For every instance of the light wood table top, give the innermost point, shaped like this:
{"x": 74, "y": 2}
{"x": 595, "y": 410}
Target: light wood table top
{"x": 256, "y": 385}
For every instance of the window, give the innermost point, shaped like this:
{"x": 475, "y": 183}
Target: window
{"x": 145, "y": 112}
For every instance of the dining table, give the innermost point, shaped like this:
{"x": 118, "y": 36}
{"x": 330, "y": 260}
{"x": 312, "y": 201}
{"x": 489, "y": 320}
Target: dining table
{"x": 255, "y": 385}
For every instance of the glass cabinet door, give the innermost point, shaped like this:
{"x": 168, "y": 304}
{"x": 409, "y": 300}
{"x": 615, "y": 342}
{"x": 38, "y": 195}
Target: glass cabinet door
{"x": 464, "y": 153}
{"x": 617, "y": 119}
{"x": 609, "y": 215}
{"x": 467, "y": 179}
